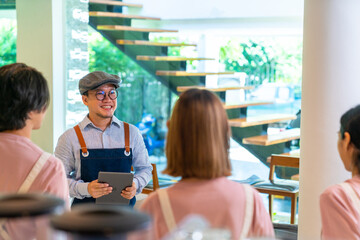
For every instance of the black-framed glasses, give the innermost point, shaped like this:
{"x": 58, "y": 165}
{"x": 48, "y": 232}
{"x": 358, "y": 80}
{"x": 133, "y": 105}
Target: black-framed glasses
{"x": 100, "y": 95}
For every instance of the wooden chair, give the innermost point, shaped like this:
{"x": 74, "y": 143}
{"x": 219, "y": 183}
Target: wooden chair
{"x": 155, "y": 183}
{"x": 281, "y": 187}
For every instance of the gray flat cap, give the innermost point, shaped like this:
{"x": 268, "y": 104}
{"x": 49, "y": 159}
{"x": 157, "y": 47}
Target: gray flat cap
{"x": 96, "y": 79}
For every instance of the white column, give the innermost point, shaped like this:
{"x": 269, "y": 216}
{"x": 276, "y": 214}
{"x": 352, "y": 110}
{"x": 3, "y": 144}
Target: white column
{"x": 40, "y": 44}
{"x": 330, "y": 87}
{"x": 209, "y": 47}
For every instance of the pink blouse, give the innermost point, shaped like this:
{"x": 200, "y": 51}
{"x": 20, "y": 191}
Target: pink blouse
{"x": 17, "y": 157}
{"x": 340, "y": 220}
{"x": 221, "y": 201}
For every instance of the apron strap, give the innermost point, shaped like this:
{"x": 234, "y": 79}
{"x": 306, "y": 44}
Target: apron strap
{"x": 34, "y": 172}
{"x": 352, "y": 195}
{"x": 249, "y": 211}
{"x": 127, "y": 137}
{"x": 81, "y": 141}
{"x": 170, "y": 219}
{"x": 166, "y": 209}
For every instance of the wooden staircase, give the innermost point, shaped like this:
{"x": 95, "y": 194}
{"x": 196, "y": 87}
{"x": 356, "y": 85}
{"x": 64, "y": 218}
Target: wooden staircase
{"x": 107, "y": 18}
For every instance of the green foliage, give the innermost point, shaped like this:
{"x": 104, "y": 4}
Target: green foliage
{"x": 274, "y": 61}
{"x": 290, "y": 62}
{"x": 7, "y": 42}
{"x": 249, "y": 57}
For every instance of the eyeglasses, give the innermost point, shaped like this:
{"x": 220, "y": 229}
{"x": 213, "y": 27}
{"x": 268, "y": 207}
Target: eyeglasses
{"x": 100, "y": 95}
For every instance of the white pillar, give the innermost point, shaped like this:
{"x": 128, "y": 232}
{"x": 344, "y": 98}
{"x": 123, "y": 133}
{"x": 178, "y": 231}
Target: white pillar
{"x": 40, "y": 44}
{"x": 330, "y": 87}
{"x": 209, "y": 47}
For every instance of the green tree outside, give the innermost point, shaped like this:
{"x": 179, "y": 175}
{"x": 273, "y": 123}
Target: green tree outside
{"x": 270, "y": 60}
{"x": 7, "y": 42}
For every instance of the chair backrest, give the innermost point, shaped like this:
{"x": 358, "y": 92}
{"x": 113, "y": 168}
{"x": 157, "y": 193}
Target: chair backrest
{"x": 283, "y": 161}
{"x": 155, "y": 177}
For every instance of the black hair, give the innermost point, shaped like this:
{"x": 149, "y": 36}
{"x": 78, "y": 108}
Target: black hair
{"x": 350, "y": 122}
{"x": 23, "y": 89}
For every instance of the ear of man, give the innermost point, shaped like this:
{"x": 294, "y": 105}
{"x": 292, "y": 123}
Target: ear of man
{"x": 85, "y": 99}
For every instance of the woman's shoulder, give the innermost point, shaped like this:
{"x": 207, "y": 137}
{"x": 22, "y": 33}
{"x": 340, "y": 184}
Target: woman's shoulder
{"x": 54, "y": 161}
{"x": 239, "y": 186}
{"x": 151, "y": 202}
{"x": 334, "y": 194}
{"x": 53, "y": 167}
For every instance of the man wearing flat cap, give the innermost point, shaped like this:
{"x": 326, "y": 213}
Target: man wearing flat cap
{"x": 101, "y": 142}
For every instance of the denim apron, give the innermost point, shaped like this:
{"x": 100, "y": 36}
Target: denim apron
{"x": 92, "y": 161}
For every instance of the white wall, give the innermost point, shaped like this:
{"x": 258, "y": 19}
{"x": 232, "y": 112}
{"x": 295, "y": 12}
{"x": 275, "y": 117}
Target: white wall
{"x": 227, "y": 17}
{"x": 330, "y": 87}
{"x": 40, "y": 42}
{"x": 212, "y": 9}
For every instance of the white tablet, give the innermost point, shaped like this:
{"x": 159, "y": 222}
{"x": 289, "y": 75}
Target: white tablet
{"x": 118, "y": 181}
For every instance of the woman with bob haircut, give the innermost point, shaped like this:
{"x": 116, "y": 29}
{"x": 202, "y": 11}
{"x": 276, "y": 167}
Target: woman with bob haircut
{"x": 197, "y": 150}
{"x": 340, "y": 204}
{"x": 24, "y": 98}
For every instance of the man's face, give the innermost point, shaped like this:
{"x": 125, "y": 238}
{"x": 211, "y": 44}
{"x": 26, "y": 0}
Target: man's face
{"x": 100, "y": 109}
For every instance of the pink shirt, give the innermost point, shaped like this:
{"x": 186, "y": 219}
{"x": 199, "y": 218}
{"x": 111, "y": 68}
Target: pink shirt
{"x": 17, "y": 157}
{"x": 221, "y": 201}
{"x": 340, "y": 220}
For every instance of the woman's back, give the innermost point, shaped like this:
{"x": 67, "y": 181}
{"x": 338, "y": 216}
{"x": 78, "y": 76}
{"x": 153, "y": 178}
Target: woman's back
{"x": 220, "y": 201}
{"x": 340, "y": 204}
{"x": 18, "y": 156}
{"x": 197, "y": 150}
{"x": 339, "y": 216}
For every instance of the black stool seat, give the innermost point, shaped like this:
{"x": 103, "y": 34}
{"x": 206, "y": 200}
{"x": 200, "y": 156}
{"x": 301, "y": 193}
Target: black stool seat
{"x": 91, "y": 219}
{"x": 28, "y": 205}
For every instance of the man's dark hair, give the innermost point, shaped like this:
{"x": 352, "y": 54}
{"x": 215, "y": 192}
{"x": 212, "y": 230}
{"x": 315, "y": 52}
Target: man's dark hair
{"x": 23, "y": 89}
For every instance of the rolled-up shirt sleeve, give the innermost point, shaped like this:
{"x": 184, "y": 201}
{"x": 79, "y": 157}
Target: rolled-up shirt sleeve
{"x": 64, "y": 151}
{"x": 141, "y": 163}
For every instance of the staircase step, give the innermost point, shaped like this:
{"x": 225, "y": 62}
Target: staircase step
{"x": 114, "y": 3}
{"x": 219, "y": 89}
{"x": 148, "y": 43}
{"x": 131, "y": 29}
{"x": 169, "y": 58}
{"x": 260, "y": 120}
{"x": 119, "y": 15}
{"x": 247, "y": 104}
{"x": 184, "y": 73}
{"x": 266, "y": 140}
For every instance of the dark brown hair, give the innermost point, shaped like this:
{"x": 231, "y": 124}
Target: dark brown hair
{"x": 23, "y": 90}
